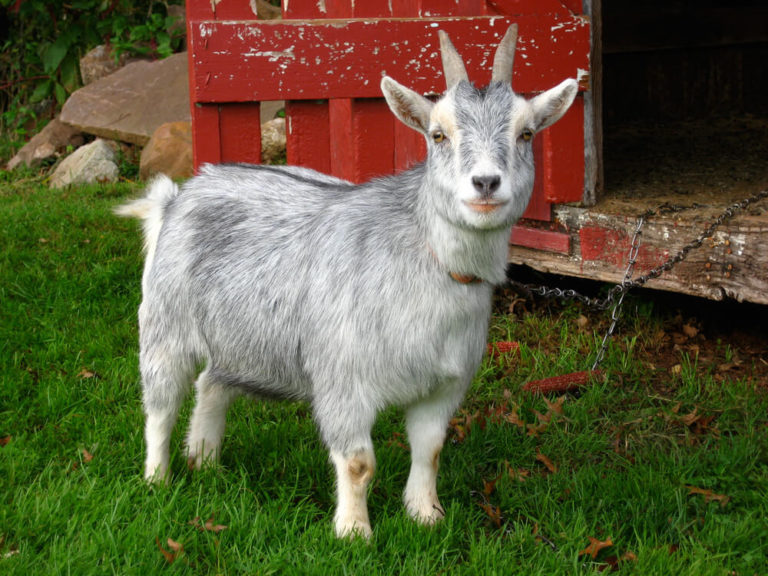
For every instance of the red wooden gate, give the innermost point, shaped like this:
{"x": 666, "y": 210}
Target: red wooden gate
{"x": 325, "y": 58}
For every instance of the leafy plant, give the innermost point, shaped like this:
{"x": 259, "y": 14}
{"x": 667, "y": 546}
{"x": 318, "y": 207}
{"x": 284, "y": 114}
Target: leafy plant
{"x": 39, "y": 63}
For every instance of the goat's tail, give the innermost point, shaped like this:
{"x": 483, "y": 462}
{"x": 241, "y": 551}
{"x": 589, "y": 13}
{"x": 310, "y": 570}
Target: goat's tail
{"x": 151, "y": 209}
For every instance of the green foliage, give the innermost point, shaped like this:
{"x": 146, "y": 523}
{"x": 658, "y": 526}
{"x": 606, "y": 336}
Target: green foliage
{"x": 39, "y": 64}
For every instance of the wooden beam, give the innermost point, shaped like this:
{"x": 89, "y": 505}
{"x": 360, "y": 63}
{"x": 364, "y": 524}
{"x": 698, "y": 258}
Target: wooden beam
{"x": 298, "y": 60}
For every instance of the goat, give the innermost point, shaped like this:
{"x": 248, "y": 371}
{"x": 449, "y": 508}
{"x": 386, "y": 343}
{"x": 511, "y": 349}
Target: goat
{"x": 286, "y": 283}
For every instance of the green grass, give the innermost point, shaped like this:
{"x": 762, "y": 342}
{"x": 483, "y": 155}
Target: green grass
{"x": 625, "y": 452}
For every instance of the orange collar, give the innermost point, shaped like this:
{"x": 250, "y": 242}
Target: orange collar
{"x": 460, "y": 278}
{"x": 465, "y": 278}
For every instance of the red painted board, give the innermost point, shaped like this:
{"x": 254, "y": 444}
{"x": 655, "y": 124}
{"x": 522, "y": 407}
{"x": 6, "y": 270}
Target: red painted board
{"x": 564, "y": 157}
{"x": 546, "y": 240}
{"x": 206, "y": 146}
{"x": 245, "y": 61}
{"x": 308, "y": 134}
{"x": 612, "y": 246}
{"x": 410, "y": 147}
{"x": 220, "y": 10}
{"x": 362, "y": 139}
{"x": 240, "y": 126}
{"x": 538, "y": 207}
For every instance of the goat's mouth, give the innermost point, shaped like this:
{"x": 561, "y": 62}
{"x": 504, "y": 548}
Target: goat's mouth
{"x": 484, "y": 206}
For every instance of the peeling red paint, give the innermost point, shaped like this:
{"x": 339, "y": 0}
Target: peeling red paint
{"x": 612, "y": 247}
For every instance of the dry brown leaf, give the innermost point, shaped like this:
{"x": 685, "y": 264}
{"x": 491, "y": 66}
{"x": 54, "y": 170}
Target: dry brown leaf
{"x": 555, "y": 407}
{"x": 87, "y": 456}
{"x": 690, "y": 330}
{"x": 489, "y": 486}
{"x": 709, "y": 495}
{"x": 513, "y": 418}
{"x": 546, "y": 461}
{"x": 169, "y": 556}
{"x": 87, "y": 374}
{"x": 175, "y": 546}
{"x": 595, "y": 546}
{"x": 582, "y": 321}
{"x": 493, "y": 513}
{"x": 5, "y": 440}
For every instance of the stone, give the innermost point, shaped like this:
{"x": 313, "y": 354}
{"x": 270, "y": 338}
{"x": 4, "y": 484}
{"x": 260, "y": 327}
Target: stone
{"x": 131, "y": 103}
{"x": 266, "y": 11}
{"x": 89, "y": 164}
{"x": 273, "y": 140}
{"x": 49, "y": 143}
{"x": 98, "y": 63}
{"x": 169, "y": 152}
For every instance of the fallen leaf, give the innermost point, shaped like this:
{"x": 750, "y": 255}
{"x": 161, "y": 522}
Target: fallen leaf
{"x": 175, "y": 546}
{"x": 513, "y": 418}
{"x": 493, "y": 513}
{"x": 5, "y": 440}
{"x": 489, "y": 486}
{"x": 87, "y": 456}
{"x": 556, "y": 406}
{"x": 518, "y": 473}
{"x": 169, "y": 556}
{"x": 208, "y": 526}
{"x": 709, "y": 495}
{"x": 582, "y": 321}
{"x": 690, "y": 330}
{"x": 546, "y": 461}
{"x": 87, "y": 374}
{"x": 595, "y": 546}
{"x": 676, "y": 370}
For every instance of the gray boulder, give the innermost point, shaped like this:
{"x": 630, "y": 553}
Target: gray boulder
{"x": 131, "y": 103}
{"x": 89, "y": 164}
{"x": 50, "y": 142}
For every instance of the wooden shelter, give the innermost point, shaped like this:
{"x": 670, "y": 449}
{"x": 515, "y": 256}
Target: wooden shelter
{"x": 671, "y": 117}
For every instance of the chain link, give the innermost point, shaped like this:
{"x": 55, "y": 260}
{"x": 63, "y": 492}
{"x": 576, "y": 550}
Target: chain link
{"x": 616, "y": 295}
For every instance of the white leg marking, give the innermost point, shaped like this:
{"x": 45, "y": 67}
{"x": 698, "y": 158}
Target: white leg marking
{"x": 353, "y": 475}
{"x": 206, "y": 427}
{"x": 159, "y": 425}
{"x": 426, "y": 424}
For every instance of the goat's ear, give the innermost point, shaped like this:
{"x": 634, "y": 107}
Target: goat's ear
{"x": 410, "y": 107}
{"x": 550, "y": 106}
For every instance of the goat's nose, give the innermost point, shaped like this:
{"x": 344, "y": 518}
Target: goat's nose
{"x": 486, "y": 185}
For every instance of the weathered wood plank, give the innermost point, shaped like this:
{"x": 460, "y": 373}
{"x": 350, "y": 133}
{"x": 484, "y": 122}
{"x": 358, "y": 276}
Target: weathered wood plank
{"x": 731, "y": 264}
{"x": 293, "y": 59}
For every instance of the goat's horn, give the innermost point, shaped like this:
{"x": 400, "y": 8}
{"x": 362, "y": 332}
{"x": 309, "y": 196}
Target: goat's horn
{"x": 505, "y": 57}
{"x": 453, "y": 66}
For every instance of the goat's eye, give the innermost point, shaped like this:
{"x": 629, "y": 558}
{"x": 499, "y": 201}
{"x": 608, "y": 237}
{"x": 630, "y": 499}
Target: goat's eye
{"x": 438, "y": 136}
{"x": 526, "y": 135}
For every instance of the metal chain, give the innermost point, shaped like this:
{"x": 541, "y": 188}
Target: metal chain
{"x": 617, "y": 293}
{"x": 616, "y": 312}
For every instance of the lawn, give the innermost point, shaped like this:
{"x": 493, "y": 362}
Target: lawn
{"x": 660, "y": 466}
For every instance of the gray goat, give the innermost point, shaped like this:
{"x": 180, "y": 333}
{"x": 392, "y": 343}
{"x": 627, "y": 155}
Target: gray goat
{"x": 286, "y": 283}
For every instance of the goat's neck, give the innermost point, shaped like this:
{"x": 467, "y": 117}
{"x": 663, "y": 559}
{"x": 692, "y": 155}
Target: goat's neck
{"x": 466, "y": 251}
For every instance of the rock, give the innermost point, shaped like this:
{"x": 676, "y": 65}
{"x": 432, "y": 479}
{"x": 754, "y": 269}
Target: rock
{"x": 48, "y": 143}
{"x": 130, "y": 104}
{"x": 94, "y": 162}
{"x": 273, "y": 140}
{"x": 98, "y": 63}
{"x": 169, "y": 151}
{"x": 266, "y": 11}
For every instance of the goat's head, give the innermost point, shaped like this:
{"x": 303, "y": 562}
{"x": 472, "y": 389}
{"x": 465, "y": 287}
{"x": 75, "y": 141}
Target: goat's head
{"x": 479, "y": 141}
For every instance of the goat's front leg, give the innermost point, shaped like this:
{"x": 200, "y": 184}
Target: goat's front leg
{"x": 354, "y": 472}
{"x": 345, "y": 425}
{"x": 426, "y": 424}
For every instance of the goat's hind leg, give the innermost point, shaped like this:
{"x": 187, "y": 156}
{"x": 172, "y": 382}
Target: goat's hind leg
{"x": 165, "y": 384}
{"x": 206, "y": 427}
